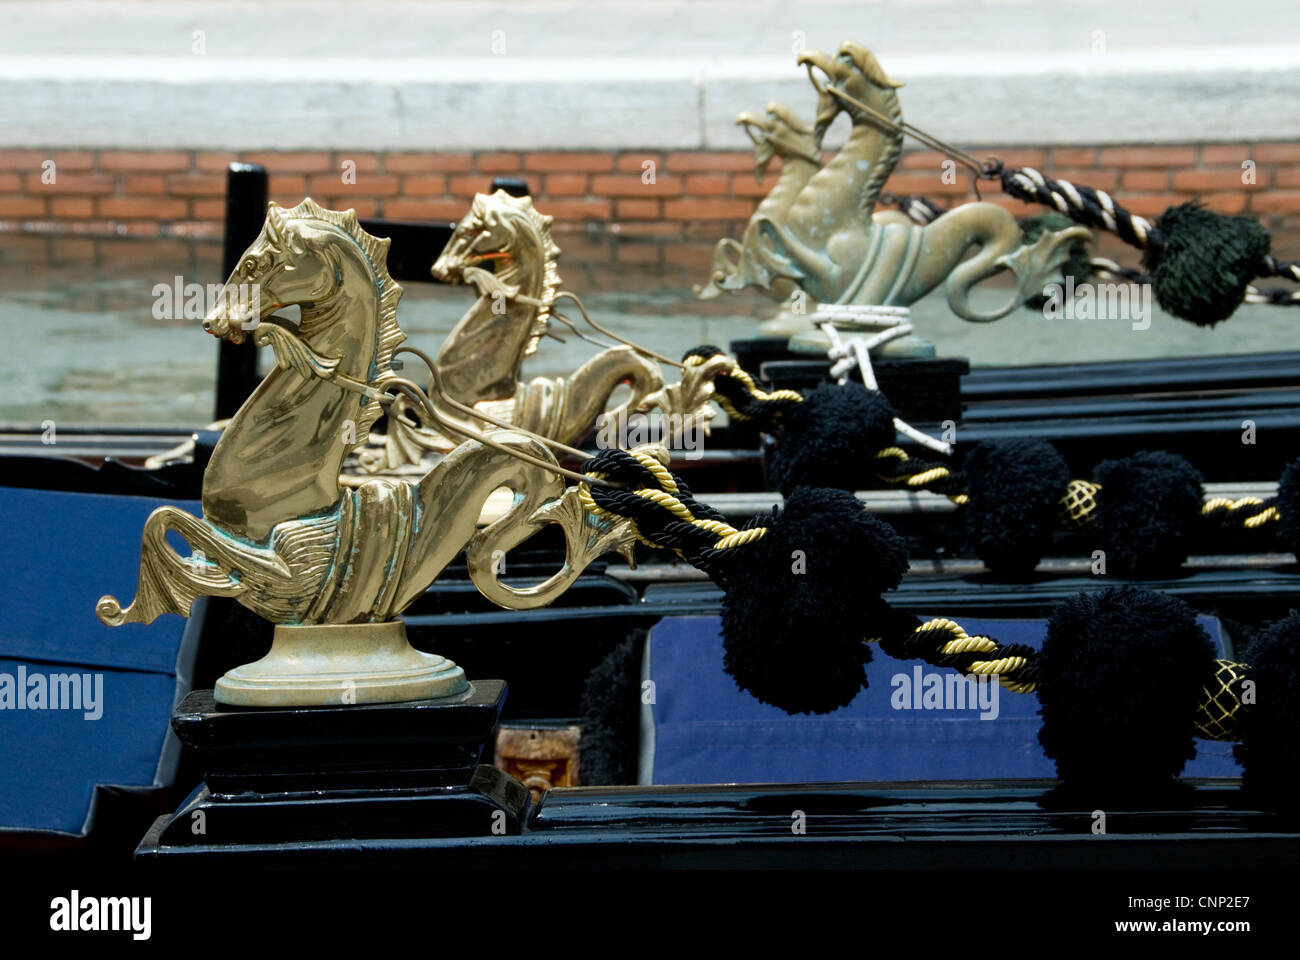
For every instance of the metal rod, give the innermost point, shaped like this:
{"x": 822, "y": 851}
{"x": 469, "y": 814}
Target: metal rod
{"x": 413, "y": 392}
{"x": 646, "y": 351}
{"x": 455, "y": 404}
{"x": 980, "y": 170}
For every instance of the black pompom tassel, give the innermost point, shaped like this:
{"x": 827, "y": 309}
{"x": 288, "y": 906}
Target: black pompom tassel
{"x": 1288, "y": 508}
{"x": 801, "y": 605}
{"x": 1015, "y": 489}
{"x": 1121, "y": 675}
{"x": 1147, "y": 513}
{"x": 1270, "y": 726}
{"x": 611, "y": 716}
{"x": 830, "y": 438}
{"x": 1204, "y": 262}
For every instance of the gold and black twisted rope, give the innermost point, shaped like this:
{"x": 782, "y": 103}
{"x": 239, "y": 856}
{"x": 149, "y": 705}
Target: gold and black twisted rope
{"x": 944, "y": 643}
{"x": 740, "y": 396}
{"x": 1248, "y": 513}
{"x": 897, "y": 467}
{"x": 662, "y": 510}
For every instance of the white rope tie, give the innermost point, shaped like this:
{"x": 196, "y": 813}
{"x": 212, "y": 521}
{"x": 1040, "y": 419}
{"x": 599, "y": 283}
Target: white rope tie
{"x": 856, "y": 351}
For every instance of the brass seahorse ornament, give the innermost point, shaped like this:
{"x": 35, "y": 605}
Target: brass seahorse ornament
{"x": 333, "y": 566}
{"x": 826, "y": 240}
{"x": 779, "y": 134}
{"x": 479, "y": 363}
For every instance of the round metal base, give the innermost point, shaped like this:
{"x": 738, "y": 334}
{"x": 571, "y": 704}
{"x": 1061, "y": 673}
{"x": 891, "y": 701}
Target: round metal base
{"x": 333, "y": 664}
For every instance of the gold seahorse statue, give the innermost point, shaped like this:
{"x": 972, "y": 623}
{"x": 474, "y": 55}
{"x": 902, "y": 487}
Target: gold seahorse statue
{"x": 480, "y": 361}
{"x": 826, "y": 242}
{"x": 333, "y": 566}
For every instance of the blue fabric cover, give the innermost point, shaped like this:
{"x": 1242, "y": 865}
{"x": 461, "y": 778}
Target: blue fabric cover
{"x": 705, "y": 730}
{"x": 59, "y": 553}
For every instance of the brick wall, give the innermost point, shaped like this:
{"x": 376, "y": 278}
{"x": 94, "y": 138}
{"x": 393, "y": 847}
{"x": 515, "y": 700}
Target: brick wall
{"x": 181, "y": 193}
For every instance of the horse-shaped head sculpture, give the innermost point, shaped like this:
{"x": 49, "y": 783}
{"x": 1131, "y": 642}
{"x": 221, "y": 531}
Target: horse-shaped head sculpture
{"x": 480, "y": 362}
{"x": 779, "y": 134}
{"x": 284, "y": 538}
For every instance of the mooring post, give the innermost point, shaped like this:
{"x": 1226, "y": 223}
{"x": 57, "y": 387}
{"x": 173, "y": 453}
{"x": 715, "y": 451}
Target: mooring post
{"x": 246, "y": 197}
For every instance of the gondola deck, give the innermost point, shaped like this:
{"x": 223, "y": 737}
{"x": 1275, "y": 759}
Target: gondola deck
{"x": 861, "y": 826}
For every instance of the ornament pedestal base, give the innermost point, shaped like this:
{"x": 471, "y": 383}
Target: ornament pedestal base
{"x": 283, "y": 777}
{"x": 340, "y": 663}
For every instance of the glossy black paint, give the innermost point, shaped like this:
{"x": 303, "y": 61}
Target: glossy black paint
{"x": 341, "y": 773}
{"x": 914, "y": 826}
{"x": 920, "y": 389}
{"x": 263, "y": 750}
